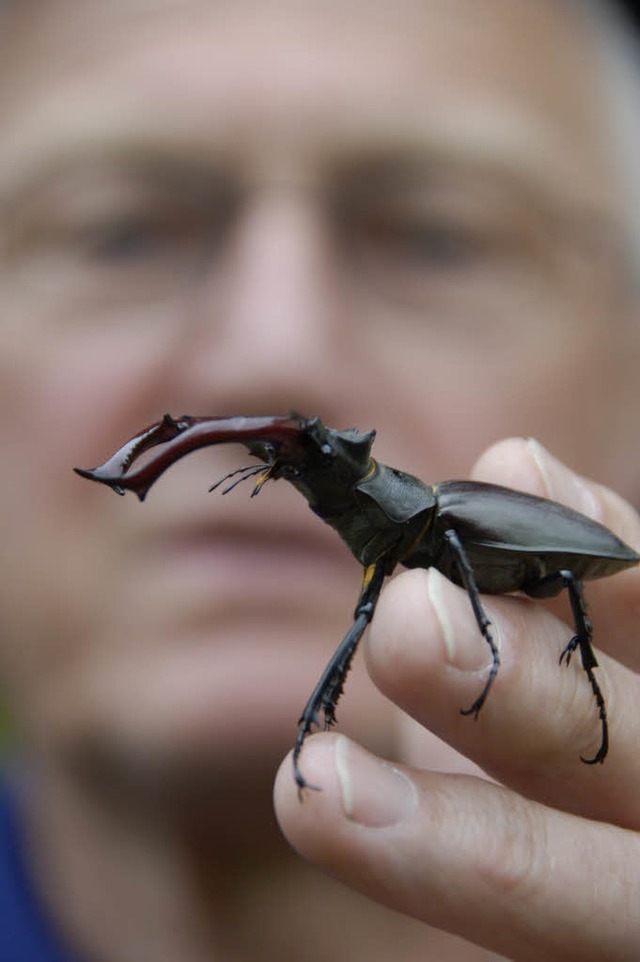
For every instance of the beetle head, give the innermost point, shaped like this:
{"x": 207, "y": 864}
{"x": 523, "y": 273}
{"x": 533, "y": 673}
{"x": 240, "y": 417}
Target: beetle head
{"x": 325, "y": 465}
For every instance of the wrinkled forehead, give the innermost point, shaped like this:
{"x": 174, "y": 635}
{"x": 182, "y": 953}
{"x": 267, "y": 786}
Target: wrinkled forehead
{"x": 305, "y": 81}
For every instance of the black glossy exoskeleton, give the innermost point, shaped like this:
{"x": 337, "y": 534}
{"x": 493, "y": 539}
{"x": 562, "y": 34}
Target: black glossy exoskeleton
{"x": 481, "y": 536}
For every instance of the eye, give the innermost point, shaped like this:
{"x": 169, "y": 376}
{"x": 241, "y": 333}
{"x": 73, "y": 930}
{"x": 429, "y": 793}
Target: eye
{"x": 124, "y": 240}
{"x": 425, "y": 243}
{"x": 290, "y": 472}
{"x": 438, "y": 244}
{"x": 140, "y": 238}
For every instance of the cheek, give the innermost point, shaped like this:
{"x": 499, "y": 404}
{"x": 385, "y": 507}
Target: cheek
{"x": 65, "y": 394}
{"x": 75, "y": 385}
{"x": 52, "y": 570}
{"x": 457, "y": 395}
{"x": 71, "y": 398}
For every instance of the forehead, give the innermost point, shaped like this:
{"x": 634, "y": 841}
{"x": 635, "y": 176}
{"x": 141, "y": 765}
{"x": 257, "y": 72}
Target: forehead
{"x": 306, "y": 80}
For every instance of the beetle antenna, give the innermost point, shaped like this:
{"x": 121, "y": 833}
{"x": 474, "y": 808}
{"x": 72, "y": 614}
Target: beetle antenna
{"x": 247, "y": 471}
{"x": 260, "y": 483}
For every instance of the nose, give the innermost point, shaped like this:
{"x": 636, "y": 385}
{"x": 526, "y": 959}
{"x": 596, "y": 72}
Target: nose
{"x": 265, "y": 332}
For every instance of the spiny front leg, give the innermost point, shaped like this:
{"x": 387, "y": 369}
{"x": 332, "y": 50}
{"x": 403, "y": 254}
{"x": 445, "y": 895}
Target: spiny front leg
{"x": 329, "y": 688}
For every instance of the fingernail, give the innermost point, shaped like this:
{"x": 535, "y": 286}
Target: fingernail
{"x": 465, "y": 647}
{"x": 374, "y": 793}
{"x": 562, "y": 484}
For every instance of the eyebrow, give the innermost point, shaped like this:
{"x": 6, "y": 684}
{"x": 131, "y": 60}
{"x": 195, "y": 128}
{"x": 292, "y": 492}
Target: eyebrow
{"x": 481, "y": 141}
{"x": 151, "y": 174}
{"x": 498, "y": 142}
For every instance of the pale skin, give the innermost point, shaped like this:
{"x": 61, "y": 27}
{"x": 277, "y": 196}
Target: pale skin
{"x": 156, "y": 675}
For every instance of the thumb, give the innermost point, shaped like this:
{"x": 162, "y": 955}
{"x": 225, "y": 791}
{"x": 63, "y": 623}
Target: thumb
{"x": 464, "y": 855}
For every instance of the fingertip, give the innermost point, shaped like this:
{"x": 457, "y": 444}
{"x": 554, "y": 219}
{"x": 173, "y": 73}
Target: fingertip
{"x": 594, "y": 500}
{"x": 301, "y": 813}
{"x": 424, "y": 639}
{"x": 315, "y": 763}
{"x": 405, "y": 641}
{"x": 526, "y": 465}
{"x": 403, "y": 604}
{"x": 511, "y": 463}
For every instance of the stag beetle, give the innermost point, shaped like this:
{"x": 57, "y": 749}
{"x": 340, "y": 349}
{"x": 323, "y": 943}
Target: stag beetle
{"x": 483, "y": 537}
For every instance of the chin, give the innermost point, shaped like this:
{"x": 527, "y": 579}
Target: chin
{"x": 199, "y": 721}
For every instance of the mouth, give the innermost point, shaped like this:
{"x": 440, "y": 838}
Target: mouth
{"x": 225, "y": 619}
{"x": 252, "y": 551}
{"x": 271, "y": 565}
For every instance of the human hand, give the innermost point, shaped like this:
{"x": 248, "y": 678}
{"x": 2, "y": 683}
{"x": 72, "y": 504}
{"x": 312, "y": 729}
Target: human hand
{"x": 543, "y": 862}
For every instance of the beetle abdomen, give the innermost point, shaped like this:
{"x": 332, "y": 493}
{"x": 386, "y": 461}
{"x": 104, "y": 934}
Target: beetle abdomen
{"x": 514, "y": 541}
{"x": 511, "y": 521}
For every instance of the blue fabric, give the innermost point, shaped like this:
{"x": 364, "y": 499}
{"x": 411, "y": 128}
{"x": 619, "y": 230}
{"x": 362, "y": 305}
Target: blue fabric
{"x": 26, "y": 933}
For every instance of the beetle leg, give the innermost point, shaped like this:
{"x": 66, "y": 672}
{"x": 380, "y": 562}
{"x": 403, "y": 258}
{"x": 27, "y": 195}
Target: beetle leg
{"x": 582, "y": 640}
{"x": 469, "y": 582}
{"x": 328, "y": 690}
{"x": 553, "y": 585}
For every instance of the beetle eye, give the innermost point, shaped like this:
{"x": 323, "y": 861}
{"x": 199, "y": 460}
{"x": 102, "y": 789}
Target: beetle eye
{"x": 327, "y": 449}
{"x": 288, "y": 471}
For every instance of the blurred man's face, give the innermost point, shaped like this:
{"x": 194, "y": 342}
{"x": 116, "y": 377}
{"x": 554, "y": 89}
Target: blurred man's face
{"x": 391, "y": 215}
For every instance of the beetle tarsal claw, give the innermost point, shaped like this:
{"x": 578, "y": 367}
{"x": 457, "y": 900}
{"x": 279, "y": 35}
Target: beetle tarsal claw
{"x": 568, "y": 650}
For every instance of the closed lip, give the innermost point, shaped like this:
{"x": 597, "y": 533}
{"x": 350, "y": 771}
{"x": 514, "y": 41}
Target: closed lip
{"x": 267, "y": 543}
